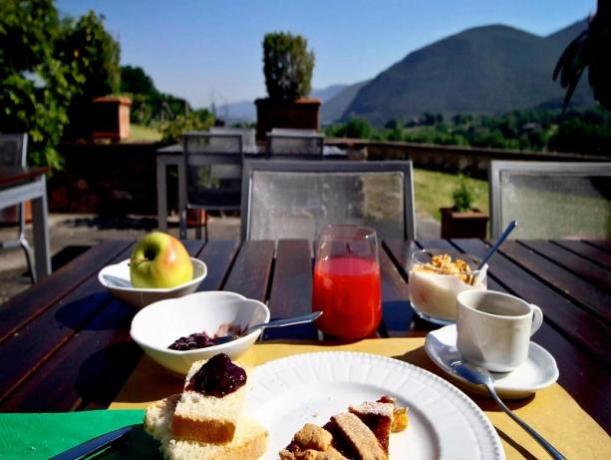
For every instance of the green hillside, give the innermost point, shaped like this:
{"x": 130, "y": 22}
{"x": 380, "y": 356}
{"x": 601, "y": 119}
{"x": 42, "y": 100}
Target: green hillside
{"x": 484, "y": 70}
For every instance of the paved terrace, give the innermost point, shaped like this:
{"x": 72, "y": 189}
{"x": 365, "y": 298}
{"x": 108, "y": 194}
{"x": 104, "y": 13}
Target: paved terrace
{"x": 72, "y": 234}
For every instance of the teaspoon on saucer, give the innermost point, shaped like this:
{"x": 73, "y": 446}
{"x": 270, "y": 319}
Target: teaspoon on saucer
{"x": 480, "y": 376}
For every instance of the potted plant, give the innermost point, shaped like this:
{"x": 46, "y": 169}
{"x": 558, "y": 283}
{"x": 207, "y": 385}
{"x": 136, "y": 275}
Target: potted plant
{"x": 462, "y": 220}
{"x": 288, "y": 66}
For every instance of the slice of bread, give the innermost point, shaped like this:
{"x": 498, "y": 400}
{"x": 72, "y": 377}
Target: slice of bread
{"x": 206, "y": 418}
{"x": 249, "y": 441}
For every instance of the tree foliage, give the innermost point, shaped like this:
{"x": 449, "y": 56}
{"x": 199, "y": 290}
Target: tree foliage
{"x": 134, "y": 80}
{"x": 591, "y": 49}
{"x": 95, "y": 54}
{"x": 46, "y": 66}
{"x": 197, "y": 120}
{"x": 287, "y": 65}
{"x": 586, "y": 132}
{"x": 36, "y": 85}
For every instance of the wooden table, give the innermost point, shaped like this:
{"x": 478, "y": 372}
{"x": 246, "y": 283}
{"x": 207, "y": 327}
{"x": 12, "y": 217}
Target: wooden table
{"x": 64, "y": 344}
{"x": 19, "y": 184}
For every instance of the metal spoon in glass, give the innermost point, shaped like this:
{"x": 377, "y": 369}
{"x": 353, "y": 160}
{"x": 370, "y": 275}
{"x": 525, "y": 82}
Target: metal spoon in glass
{"x": 480, "y": 376}
{"x": 303, "y": 319}
{"x": 512, "y": 225}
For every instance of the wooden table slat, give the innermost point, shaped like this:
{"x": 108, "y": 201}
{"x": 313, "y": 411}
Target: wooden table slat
{"x": 291, "y": 290}
{"x": 589, "y": 252}
{"x": 252, "y": 270}
{"x": 26, "y": 306}
{"x": 397, "y": 312}
{"x": 574, "y": 322}
{"x": 44, "y": 335}
{"x": 580, "y": 291}
{"x": 218, "y": 257}
{"x": 605, "y": 245}
{"x": 400, "y": 253}
{"x": 579, "y": 266}
{"x": 89, "y": 370}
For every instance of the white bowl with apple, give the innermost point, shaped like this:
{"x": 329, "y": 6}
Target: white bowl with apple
{"x": 159, "y": 268}
{"x": 161, "y": 324}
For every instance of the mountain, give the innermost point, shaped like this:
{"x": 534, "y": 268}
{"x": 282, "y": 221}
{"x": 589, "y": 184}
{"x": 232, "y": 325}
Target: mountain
{"x": 245, "y": 111}
{"x": 483, "y": 70}
{"x": 333, "y": 108}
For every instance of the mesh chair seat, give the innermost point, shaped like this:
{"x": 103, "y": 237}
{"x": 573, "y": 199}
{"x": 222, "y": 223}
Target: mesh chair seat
{"x": 296, "y": 199}
{"x": 551, "y": 199}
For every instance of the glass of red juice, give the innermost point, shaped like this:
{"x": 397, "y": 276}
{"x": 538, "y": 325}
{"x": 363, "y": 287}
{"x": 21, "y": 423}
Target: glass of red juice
{"x": 347, "y": 282}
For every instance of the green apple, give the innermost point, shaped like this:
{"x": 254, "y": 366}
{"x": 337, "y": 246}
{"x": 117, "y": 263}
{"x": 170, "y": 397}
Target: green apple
{"x": 160, "y": 261}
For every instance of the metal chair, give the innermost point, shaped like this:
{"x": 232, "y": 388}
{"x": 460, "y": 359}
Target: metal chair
{"x": 551, "y": 199}
{"x": 13, "y": 152}
{"x": 249, "y": 144}
{"x": 296, "y": 199}
{"x": 295, "y": 143}
{"x": 213, "y": 171}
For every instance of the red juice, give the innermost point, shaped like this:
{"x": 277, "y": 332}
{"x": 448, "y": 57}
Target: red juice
{"x": 347, "y": 290}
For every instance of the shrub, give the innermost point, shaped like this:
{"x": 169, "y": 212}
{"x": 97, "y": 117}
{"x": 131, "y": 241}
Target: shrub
{"x": 172, "y": 131}
{"x": 464, "y": 195}
{"x": 287, "y": 65}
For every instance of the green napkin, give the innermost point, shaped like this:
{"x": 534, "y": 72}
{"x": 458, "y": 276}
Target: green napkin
{"x": 43, "y": 435}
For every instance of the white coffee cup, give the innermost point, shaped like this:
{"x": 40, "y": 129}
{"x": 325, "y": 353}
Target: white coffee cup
{"x": 494, "y": 328}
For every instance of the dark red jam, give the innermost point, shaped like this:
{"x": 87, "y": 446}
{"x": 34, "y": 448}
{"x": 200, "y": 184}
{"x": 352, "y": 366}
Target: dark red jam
{"x": 218, "y": 377}
{"x": 193, "y": 341}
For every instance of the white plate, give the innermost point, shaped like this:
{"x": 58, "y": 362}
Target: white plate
{"x": 443, "y": 421}
{"x": 116, "y": 279}
{"x": 538, "y": 372}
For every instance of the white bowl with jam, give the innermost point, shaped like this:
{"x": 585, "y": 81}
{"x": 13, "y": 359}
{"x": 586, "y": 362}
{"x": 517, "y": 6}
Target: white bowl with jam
{"x": 436, "y": 277}
{"x": 178, "y": 332}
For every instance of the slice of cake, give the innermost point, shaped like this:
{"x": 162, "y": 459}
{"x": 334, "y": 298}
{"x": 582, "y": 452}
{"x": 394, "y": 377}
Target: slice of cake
{"x": 248, "y": 443}
{"x": 311, "y": 443}
{"x": 212, "y": 401}
{"x": 363, "y": 433}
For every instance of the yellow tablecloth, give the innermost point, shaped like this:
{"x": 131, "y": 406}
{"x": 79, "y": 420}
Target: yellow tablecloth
{"x": 552, "y": 412}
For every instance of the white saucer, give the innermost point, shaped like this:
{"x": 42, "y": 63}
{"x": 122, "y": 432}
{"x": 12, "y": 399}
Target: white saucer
{"x": 538, "y": 372}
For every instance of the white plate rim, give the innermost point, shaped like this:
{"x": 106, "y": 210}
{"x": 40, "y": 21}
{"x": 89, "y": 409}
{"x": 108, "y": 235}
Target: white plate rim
{"x": 194, "y": 261}
{"x": 499, "y": 386}
{"x": 486, "y": 427}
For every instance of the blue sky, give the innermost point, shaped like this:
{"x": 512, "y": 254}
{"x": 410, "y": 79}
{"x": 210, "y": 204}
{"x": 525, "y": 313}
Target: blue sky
{"x": 210, "y": 51}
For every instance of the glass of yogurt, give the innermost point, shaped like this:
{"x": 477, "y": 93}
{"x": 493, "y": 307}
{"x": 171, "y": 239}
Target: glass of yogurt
{"x": 436, "y": 277}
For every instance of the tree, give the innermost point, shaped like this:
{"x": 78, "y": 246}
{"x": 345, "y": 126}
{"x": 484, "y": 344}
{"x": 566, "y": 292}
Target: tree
{"x": 134, "y": 80}
{"x": 95, "y": 54}
{"x": 591, "y": 49}
{"x": 287, "y": 65}
{"x": 36, "y": 86}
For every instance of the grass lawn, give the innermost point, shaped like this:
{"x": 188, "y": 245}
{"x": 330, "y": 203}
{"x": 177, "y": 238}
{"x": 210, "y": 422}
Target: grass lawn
{"x": 434, "y": 190}
{"x": 140, "y": 133}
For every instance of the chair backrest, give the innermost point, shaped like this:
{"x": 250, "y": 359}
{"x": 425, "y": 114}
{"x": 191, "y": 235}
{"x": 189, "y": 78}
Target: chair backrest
{"x": 13, "y": 149}
{"x": 249, "y": 144}
{"x": 213, "y": 165}
{"x": 296, "y": 199}
{"x": 295, "y": 143}
{"x": 551, "y": 199}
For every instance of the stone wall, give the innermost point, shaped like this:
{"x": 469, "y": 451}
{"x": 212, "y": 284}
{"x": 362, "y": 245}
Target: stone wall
{"x": 114, "y": 179}
{"x": 474, "y": 161}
